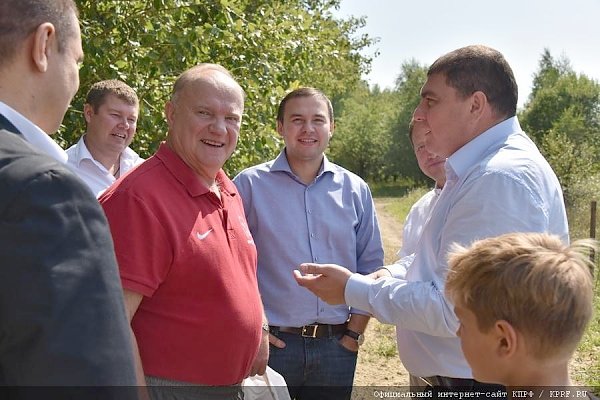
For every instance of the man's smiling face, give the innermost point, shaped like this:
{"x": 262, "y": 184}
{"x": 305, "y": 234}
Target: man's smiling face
{"x": 112, "y": 125}
{"x": 306, "y": 128}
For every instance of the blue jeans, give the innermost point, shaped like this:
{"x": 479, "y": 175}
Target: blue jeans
{"x": 314, "y": 368}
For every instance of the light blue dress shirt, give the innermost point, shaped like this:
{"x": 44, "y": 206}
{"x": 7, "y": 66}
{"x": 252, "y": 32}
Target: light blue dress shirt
{"x": 332, "y": 220}
{"x": 495, "y": 184}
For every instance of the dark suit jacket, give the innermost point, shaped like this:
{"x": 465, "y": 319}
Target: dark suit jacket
{"x": 62, "y": 317}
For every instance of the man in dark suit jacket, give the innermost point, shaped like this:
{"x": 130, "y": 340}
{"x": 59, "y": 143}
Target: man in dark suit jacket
{"x": 62, "y": 316}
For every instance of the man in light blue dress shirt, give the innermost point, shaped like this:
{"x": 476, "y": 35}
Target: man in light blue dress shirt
{"x": 301, "y": 207}
{"x": 496, "y": 182}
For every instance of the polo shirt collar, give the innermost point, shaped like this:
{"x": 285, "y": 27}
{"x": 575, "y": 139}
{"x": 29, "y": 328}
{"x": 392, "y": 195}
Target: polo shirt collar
{"x": 187, "y": 177}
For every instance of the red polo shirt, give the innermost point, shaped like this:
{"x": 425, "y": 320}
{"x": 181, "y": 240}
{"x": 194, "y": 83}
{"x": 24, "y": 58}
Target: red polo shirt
{"x": 193, "y": 259}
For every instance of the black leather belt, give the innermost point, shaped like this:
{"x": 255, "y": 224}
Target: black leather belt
{"x": 461, "y": 383}
{"x": 445, "y": 381}
{"x": 311, "y": 331}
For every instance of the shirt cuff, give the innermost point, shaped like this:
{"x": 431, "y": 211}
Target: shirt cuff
{"x": 399, "y": 268}
{"x": 396, "y": 270}
{"x": 356, "y": 292}
{"x": 359, "y": 312}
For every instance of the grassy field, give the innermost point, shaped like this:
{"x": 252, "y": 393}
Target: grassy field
{"x": 585, "y": 366}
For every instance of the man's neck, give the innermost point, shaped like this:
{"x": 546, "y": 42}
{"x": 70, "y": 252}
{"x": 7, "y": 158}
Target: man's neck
{"x": 109, "y": 159}
{"x": 306, "y": 170}
{"x": 545, "y": 375}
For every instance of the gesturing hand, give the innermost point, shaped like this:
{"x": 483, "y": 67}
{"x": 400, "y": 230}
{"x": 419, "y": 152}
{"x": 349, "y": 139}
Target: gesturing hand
{"x": 327, "y": 281}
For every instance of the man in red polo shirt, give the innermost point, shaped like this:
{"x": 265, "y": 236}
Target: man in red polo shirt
{"x": 186, "y": 257}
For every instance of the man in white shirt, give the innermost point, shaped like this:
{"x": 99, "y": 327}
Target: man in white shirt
{"x": 102, "y": 154}
{"x": 433, "y": 167}
{"x": 496, "y": 182}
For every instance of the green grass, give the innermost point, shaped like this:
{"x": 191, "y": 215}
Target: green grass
{"x": 380, "y": 343}
{"x": 585, "y": 366}
{"x": 400, "y": 207}
{"x": 390, "y": 189}
{"x": 386, "y": 346}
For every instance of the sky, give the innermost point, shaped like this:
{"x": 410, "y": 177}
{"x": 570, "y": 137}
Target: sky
{"x": 519, "y": 29}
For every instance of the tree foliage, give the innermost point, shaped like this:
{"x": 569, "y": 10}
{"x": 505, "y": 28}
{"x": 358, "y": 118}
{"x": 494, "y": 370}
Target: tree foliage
{"x": 572, "y": 163}
{"x": 270, "y": 46}
{"x": 362, "y": 134}
{"x": 372, "y": 131}
{"x": 563, "y": 116}
{"x": 400, "y": 159}
{"x": 557, "y": 91}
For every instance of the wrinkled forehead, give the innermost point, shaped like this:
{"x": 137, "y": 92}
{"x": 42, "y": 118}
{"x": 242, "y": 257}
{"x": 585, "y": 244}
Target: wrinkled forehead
{"x": 215, "y": 89}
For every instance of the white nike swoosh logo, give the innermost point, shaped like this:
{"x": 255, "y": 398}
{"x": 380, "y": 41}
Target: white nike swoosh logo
{"x": 203, "y": 236}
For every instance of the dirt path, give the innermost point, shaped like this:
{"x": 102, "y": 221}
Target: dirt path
{"x": 390, "y": 227}
{"x": 378, "y": 361}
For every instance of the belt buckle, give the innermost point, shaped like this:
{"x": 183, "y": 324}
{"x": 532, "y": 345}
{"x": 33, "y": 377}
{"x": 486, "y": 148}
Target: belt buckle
{"x": 306, "y": 328}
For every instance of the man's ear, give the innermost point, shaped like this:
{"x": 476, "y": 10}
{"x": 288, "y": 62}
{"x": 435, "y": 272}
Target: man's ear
{"x": 44, "y": 37}
{"x": 169, "y": 110}
{"x": 88, "y": 110}
{"x": 507, "y": 339}
{"x": 280, "y": 127}
{"x": 331, "y": 129}
{"x": 478, "y": 103}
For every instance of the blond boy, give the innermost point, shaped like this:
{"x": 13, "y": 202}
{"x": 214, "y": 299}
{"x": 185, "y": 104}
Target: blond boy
{"x": 523, "y": 301}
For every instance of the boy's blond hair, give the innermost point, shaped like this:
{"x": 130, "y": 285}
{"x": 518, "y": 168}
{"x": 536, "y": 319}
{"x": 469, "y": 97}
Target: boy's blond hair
{"x": 541, "y": 286}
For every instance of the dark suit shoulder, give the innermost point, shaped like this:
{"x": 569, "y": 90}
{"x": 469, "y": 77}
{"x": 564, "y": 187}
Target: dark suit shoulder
{"x": 62, "y": 317}
{"x": 21, "y": 165}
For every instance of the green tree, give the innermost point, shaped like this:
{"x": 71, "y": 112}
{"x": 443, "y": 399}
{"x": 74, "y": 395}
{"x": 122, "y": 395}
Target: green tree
{"x": 400, "y": 159}
{"x": 562, "y": 115}
{"x": 371, "y": 136}
{"x": 549, "y": 71}
{"x": 270, "y": 46}
{"x": 558, "y": 90}
{"x": 361, "y": 136}
{"x": 571, "y": 162}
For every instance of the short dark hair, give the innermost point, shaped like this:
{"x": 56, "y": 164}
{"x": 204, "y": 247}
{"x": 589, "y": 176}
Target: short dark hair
{"x": 99, "y": 90}
{"x": 304, "y": 92}
{"x": 19, "y": 18}
{"x": 480, "y": 68}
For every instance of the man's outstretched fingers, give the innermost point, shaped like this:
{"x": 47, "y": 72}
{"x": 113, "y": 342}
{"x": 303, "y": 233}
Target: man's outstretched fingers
{"x": 310, "y": 268}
